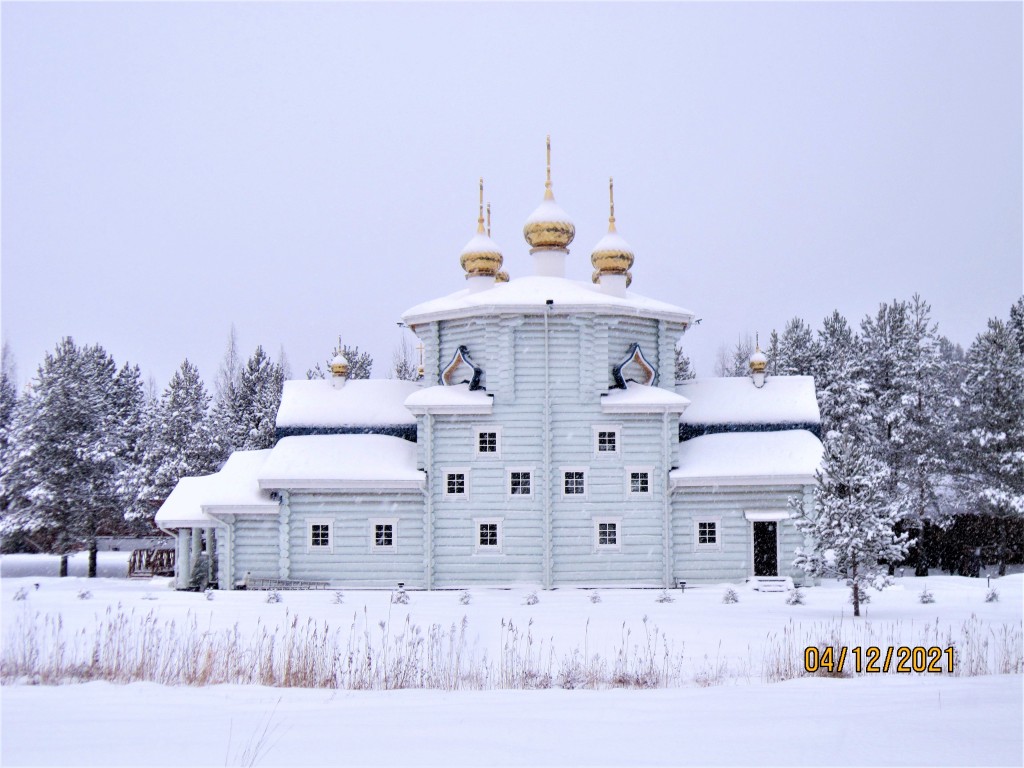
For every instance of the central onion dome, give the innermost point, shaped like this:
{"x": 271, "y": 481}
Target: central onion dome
{"x": 481, "y": 256}
{"x": 612, "y": 254}
{"x": 758, "y": 360}
{"x": 549, "y": 226}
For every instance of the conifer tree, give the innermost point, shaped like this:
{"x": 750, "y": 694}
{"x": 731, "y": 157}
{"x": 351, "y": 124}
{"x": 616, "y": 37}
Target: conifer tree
{"x": 851, "y": 527}
{"x": 256, "y": 401}
{"x": 683, "y": 369}
{"x": 360, "y": 364}
{"x": 993, "y": 423}
{"x": 132, "y": 409}
{"x": 797, "y": 353}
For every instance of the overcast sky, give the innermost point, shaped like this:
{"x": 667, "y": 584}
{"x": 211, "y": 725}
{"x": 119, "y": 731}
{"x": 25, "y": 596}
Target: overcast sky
{"x": 304, "y": 171}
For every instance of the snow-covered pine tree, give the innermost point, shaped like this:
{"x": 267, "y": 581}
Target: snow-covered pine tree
{"x": 8, "y": 397}
{"x": 683, "y": 368}
{"x": 851, "y": 528}
{"x": 901, "y": 365}
{"x": 257, "y": 399}
{"x": 772, "y": 353}
{"x": 360, "y": 364}
{"x": 741, "y": 355}
{"x": 182, "y": 440}
{"x": 1017, "y": 322}
{"x": 59, "y": 482}
{"x": 993, "y": 422}
{"x": 834, "y": 373}
{"x": 797, "y": 353}
{"x": 132, "y": 408}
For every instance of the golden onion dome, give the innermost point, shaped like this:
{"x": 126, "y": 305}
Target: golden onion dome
{"x": 549, "y": 226}
{"x": 612, "y": 254}
{"x": 339, "y": 366}
{"x": 481, "y": 256}
{"x": 758, "y": 360}
{"x": 501, "y": 277}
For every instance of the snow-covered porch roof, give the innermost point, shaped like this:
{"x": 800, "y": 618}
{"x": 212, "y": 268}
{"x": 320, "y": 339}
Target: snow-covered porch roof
{"x": 233, "y": 489}
{"x": 353, "y": 462}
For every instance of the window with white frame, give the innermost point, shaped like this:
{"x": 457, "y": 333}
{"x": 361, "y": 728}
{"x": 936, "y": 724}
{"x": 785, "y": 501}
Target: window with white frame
{"x": 320, "y": 536}
{"x": 488, "y": 442}
{"x": 456, "y": 483}
{"x": 707, "y": 534}
{"x": 607, "y": 533}
{"x": 638, "y": 480}
{"x": 606, "y": 440}
{"x": 574, "y": 482}
{"x": 488, "y": 533}
{"x": 520, "y": 482}
{"x": 384, "y": 533}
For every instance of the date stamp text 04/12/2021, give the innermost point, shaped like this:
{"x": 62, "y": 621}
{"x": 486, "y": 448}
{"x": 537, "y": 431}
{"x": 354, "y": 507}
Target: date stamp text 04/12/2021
{"x": 874, "y": 659}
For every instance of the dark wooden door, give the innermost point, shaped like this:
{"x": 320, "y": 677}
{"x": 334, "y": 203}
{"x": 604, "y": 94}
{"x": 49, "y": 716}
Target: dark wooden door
{"x": 766, "y": 550}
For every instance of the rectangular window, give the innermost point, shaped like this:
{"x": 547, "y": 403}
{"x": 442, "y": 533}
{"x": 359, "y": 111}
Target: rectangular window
{"x": 575, "y": 483}
{"x": 383, "y": 535}
{"x": 319, "y": 536}
{"x": 639, "y": 482}
{"x": 707, "y": 532}
{"x": 519, "y": 483}
{"x": 455, "y": 483}
{"x": 607, "y": 534}
{"x": 488, "y": 536}
{"x": 487, "y": 442}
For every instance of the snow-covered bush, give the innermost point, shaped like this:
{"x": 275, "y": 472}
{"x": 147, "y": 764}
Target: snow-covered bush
{"x": 339, "y": 597}
{"x": 730, "y": 596}
{"x": 465, "y": 598}
{"x": 21, "y": 594}
{"x": 795, "y": 596}
{"x": 84, "y": 594}
{"x": 664, "y": 597}
{"x": 926, "y": 596}
{"x": 992, "y": 596}
{"x": 863, "y": 598}
{"x": 595, "y": 597}
{"x": 274, "y": 597}
{"x": 400, "y": 596}
{"x": 532, "y": 599}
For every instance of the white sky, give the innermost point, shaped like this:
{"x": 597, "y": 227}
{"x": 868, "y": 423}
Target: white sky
{"x": 308, "y": 170}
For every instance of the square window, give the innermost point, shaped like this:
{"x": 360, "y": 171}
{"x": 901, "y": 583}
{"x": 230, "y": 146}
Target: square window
{"x": 455, "y": 483}
{"x": 574, "y": 483}
{"x": 607, "y": 534}
{"x": 607, "y": 441}
{"x": 639, "y": 482}
{"x": 519, "y": 483}
{"x": 487, "y": 442}
{"x": 384, "y": 535}
{"x": 707, "y": 533}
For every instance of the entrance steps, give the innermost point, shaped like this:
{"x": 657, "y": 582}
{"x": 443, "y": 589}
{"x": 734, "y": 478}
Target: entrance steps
{"x": 771, "y": 583}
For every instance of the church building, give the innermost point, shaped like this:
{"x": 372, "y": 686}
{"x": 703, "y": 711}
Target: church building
{"x": 546, "y": 443}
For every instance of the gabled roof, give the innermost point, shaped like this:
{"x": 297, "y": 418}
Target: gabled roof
{"x": 735, "y": 400}
{"x": 360, "y": 402}
{"x": 233, "y": 489}
{"x": 529, "y": 295}
{"x": 748, "y": 458}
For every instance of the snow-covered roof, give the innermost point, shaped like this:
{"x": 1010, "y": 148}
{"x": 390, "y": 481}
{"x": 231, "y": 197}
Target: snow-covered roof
{"x": 735, "y": 400}
{"x": 360, "y": 402}
{"x": 457, "y": 398}
{"x": 749, "y": 458}
{"x": 231, "y": 490}
{"x": 530, "y": 294}
{"x": 342, "y": 461}
{"x": 641, "y": 398}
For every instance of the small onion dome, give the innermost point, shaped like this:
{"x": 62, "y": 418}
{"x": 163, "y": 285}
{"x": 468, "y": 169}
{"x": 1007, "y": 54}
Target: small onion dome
{"x": 612, "y": 254}
{"x": 501, "y": 277}
{"x": 481, "y": 256}
{"x": 339, "y": 366}
{"x": 596, "y": 277}
{"x": 758, "y": 361}
{"x": 549, "y": 226}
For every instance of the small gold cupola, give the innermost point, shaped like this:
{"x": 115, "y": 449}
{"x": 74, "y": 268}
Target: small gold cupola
{"x": 758, "y": 365}
{"x": 549, "y": 230}
{"x": 481, "y": 257}
{"x": 612, "y": 256}
{"x": 339, "y": 371}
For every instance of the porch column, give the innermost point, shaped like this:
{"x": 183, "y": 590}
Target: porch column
{"x": 183, "y": 559}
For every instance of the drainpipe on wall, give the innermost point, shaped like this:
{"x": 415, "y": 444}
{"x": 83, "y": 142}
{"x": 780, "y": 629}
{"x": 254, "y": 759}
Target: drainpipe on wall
{"x": 667, "y": 532}
{"x": 429, "y": 522}
{"x": 547, "y": 450}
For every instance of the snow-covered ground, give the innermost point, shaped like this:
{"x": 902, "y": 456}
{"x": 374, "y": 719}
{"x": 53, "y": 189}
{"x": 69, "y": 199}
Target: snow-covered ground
{"x": 721, "y": 712}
